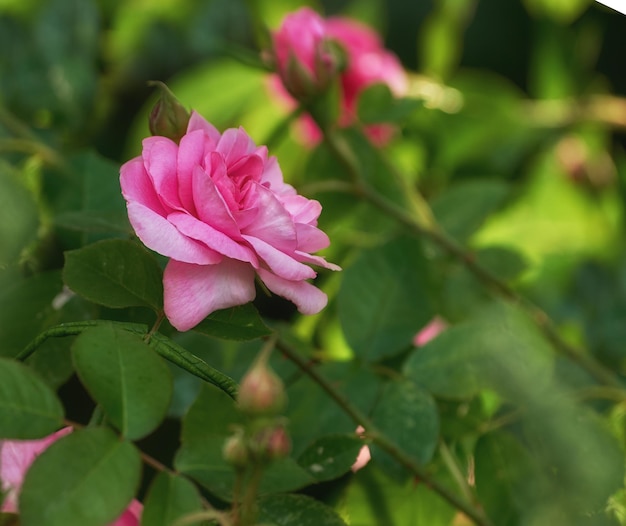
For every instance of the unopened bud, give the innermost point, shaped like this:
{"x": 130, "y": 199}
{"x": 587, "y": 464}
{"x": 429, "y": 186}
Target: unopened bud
{"x": 261, "y": 392}
{"x": 271, "y": 443}
{"x": 168, "y": 117}
{"x": 235, "y": 451}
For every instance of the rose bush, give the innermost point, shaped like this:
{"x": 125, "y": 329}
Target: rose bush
{"x": 303, "y": 38}
{"x": 218, "y": 207}
{"x": 16, "y": 456}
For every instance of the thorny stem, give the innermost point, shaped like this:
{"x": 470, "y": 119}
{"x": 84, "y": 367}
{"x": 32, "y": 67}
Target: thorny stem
{"x": 438, "y": 236}
{"x": 380, "y": 439}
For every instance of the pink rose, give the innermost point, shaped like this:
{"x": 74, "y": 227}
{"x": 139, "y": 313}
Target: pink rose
{"x": 16, "y": 456}
{"x": 430, "y": 331}
{"x": 367, "y": 63}
{"x": 304, "y": 61}
{"x": 218, "y": 207}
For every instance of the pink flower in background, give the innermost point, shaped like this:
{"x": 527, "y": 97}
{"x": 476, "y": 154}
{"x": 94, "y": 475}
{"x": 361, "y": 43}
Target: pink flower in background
{"x": 364, "y": 455}
{"x": 16, "y": 456}
{"x": 430, "y": 331}
{"x": 304, "y": 61}
{"x": 218, "y": 207}
{"x": 367, "y": 63}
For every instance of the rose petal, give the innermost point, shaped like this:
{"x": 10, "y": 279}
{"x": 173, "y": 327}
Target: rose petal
{"x": 16, "y": 456}
{"x": 314, "y": 260}
{"x": 280, "y": 263}
{"x": 311, "y": 238}
{"x": 212, "y": 238}
{"x": 307, "y": 298}
{"x": 192, "y": 292}
{"x": 273, "y": 224}
{"x": 235, "y": 144}
{"x": 190, "y": 155}
{"x": 160, "y": 158}
{"x": 137, "y": 186}
{"x": 198, "y": 122}
{"x": 302, "y": 210}
{"x": 158, "y": 234}
{"x": 210, "y": 204}
{"x": 273, "y": 177}
{"x": 131, "y": 516}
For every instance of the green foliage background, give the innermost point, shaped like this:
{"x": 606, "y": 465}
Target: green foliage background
{"x": 512, "y": 141}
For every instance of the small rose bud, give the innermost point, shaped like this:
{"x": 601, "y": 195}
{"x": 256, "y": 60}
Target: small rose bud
{"x": 261, "y": 392}
{"x": 168, "y": 117}
{"x": 271, "y": 443}
{"x": 278, "y": 444}
{"x": 235, "y": 451}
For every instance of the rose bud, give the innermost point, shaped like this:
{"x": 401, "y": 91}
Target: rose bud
{"x": 305, "y": 58}
{"x": 168, "y": 117}
{"x": 271, "y": 443}
{"x": 261, "y": 392}
{"x": 235, "y": 451}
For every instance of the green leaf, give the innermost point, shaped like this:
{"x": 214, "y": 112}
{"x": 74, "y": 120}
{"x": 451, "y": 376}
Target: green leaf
{"x": 330, "y": 457}
{"x": 19, "y": 218}
{"x": 297, "y": 510}
{"x": 384, "y": 299}
{"x": 503, "y": 471}
{"x": 499, "y": 349}
{"x": 464, "y": 207}
{"x": 86, "y": 478}
{"x": 26, "y": 308}
{"x": 206, "y": 426}
{"x": 373, "y": 499}
{"x": 408, "y": 415}
{"x": 169, "y": 498}
{"x": 353, "y": 380}
{"x": 115, "y": 273}
{"x": 28, "y": 407}
{"x": 240, "y": 323}
{"x": 125, "y": 377}
{"x": 505, "y": 263}
{"x": 377, "y": 104}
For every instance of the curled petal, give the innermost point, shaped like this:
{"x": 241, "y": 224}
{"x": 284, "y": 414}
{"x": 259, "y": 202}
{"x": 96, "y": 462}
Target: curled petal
{"x": 192, "y": 292}
{"x": 311, "y": 238}
{"x": 212, "y": 238}
{"x": 159, "y": 157}
{"x": 198, "y": 122}
{"x": 190, "y": 155}
{"x": 280, "y": 263}
{"x": 137, "y": 186}
{"x": 315, "y": 260}
{"x": 211, "y": 207}
{"x": 273, "y": 224}
{"x": 307, "y": 298}
{"x": 235, "y": 144}
{"x": 160, "y": 235}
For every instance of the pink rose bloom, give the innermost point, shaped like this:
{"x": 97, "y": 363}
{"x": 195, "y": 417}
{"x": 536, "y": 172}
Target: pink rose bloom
{"x": 16, "y": 456}
{"x": 304, "y": 61}
{"x": 218, "y": 207}
{"x": 367, "y": 63}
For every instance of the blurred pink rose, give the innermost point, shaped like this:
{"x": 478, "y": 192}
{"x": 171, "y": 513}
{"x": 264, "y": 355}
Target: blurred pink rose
{"x": 304, "y": 60}
{"x": 367, "y": 63}
{"x": 16, "y": 456}
{"x": 430, "y": 331}
{"x": 364, "y": 455}
{"x": 218, "y": 207}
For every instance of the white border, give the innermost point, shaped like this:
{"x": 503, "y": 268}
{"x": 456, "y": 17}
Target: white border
{"x": 618, "y": 5}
